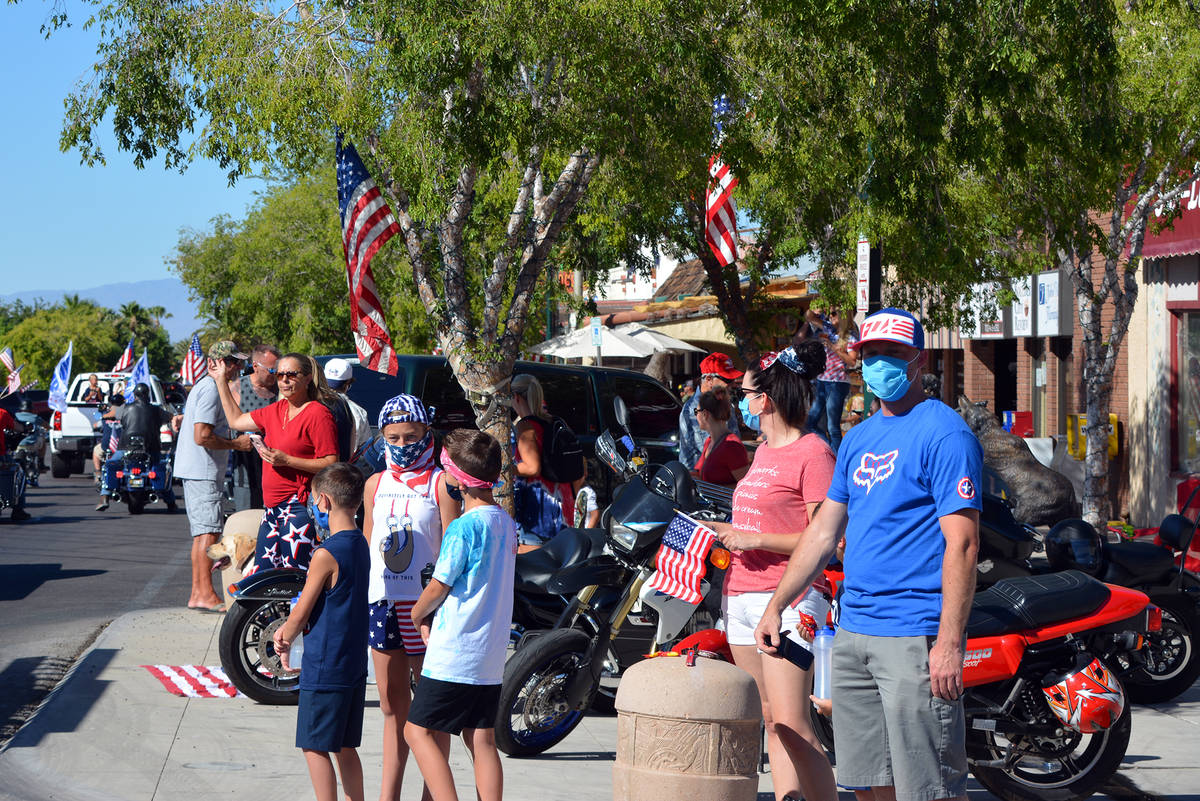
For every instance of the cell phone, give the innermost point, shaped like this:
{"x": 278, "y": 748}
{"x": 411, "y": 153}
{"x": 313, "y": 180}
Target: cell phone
{"x": 794, "y": 652}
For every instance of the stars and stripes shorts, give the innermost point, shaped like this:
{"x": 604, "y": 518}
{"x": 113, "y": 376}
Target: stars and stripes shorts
{"x": 392, "y": 628}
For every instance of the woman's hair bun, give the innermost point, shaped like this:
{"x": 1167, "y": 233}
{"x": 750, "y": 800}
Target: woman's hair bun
{"x": 811, "y": 355}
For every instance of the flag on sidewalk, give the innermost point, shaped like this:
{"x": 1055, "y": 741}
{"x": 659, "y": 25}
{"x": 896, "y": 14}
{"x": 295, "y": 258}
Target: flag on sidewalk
{"x": 367, "y": 223}
{"x": 126, "y": 359}
{"x": 193, "y": 363}
{"x": 720, "y": 213}
{"x": 61, "y": 381}
{"x": 140, "y": 375}
{"x": 680, "y": 563}
{"x": 194, "y": 681}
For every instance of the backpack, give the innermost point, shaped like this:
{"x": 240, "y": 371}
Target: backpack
{"x": 562, "y": 456}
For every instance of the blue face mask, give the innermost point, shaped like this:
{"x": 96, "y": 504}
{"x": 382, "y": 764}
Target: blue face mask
{"x": 886, "y": 376}
{"x": 403, "y": 456}
{"x": 320, "y": 519}
{"x": 748, "y": 418}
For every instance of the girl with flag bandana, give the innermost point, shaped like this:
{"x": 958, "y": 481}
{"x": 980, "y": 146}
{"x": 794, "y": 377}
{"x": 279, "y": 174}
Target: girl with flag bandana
{"x": 406, "y": 509}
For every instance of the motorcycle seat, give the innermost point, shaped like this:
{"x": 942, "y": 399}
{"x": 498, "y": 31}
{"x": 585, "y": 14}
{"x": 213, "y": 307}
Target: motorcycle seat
{"x": 1029, "y": 602}
{"x": 534, "y": 568}
{"x": 1136, "y": 562}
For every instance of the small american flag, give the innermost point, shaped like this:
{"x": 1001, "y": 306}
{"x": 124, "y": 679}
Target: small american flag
{"x": 367, "y": 223}
{"x": 681, "y": 559}
{"x": 114, "y": 436}
{"x": 193, "y": 363}
{"x": 720, "y": 213}
{"x": 126, "y": 360}
{"x": 6, "y": 358}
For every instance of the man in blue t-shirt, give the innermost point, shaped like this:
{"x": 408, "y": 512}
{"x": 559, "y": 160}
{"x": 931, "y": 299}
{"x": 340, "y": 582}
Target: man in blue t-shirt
{"x": 904, "y": 495}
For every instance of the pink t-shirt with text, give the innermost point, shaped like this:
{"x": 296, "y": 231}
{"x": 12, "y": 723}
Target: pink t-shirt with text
{"x": 771, "y": 499}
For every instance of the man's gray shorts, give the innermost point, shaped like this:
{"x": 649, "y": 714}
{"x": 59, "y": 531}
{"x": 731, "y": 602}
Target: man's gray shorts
{"x": 888, "y": 728}
{"x": 203, "y": 500}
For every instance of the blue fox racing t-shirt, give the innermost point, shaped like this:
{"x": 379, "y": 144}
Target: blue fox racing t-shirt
{"x": 897, "y": 475}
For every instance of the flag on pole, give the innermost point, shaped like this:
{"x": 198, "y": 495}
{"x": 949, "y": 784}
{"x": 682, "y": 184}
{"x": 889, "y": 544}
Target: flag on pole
{"x": 126, "y": 359}
{"x": 140, "y": 375}
{"x": 14, "y": 381}
{"x": 720, "y": 213}
{"x": 680, "y": 563}
{"x": 6, "y": 358}
{"x": 367, "y": 223}
{"x": 61, "y": 381}
{"x": 193, "y": 363}
{"x": 114, "y": 435}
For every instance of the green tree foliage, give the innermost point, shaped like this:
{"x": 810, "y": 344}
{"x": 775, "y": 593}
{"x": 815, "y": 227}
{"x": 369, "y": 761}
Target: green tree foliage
{"x": 279, "y": 275}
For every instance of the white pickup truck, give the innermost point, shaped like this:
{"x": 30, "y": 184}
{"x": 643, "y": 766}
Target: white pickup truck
{"x": 73, "y": 432}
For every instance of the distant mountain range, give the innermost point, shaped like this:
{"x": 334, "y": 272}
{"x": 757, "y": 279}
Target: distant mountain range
{"x": 170, "y": 293}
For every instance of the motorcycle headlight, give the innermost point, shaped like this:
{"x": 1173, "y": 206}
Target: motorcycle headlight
{"x": 624, "y": 536}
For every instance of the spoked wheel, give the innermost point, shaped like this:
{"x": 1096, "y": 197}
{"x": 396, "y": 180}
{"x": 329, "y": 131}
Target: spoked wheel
{"x": 1172, "y": 660}
{"x": 534, "y": 712}
{"x": 1065, "y": 768}
{"x": 248, "y": 652}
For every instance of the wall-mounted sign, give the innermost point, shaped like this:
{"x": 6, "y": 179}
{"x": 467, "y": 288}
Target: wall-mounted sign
{"x": 1048, "y": 304}
{"x": 1022, "y": 307}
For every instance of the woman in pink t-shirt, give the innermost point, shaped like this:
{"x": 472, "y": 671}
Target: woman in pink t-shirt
{"x": 788, "y": 478}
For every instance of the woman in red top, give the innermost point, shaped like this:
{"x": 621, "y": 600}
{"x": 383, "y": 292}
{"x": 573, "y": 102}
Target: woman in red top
{"x": 723, "y": 460}
{"x": 299, "y": 438}
{"x": 530, "y": 430}
{"x": 776, "y": 498}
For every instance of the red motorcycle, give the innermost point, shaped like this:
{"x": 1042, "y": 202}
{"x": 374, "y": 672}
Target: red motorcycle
{"x": 1046, "y": 717}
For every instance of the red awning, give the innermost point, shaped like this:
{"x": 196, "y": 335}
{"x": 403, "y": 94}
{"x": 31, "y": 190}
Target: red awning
{"x": 1183, "y": 237}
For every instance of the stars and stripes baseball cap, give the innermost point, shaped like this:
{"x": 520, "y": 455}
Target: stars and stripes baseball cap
{"x": 891, "y": 325}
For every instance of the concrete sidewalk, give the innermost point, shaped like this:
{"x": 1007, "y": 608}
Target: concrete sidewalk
{"x": 110, "y": 731}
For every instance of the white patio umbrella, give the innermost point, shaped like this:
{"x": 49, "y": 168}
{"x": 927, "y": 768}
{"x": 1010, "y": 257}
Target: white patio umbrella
{"x": 661, "y": 341}
{"x": 578, "y": 344}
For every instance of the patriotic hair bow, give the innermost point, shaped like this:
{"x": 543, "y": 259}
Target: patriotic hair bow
{"x": 789, "y": 358}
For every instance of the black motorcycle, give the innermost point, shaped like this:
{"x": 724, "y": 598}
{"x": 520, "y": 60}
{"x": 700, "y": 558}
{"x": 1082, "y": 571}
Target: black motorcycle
{"x": 1170, "y": 663}
{"x": 13, "y": 475}
{"x": 262, "y": 604}
{"x": 554, "y": 676}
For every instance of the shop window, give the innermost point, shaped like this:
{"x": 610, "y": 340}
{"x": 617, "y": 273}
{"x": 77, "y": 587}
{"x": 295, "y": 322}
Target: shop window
{"x": 1188, "y": 381}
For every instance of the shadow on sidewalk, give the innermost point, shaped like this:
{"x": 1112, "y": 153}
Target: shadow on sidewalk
{"x": 71, "y": 700}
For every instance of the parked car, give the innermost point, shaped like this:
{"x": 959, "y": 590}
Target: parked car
{"x": 581, "y": 396}
{"x": 72, "y": 433}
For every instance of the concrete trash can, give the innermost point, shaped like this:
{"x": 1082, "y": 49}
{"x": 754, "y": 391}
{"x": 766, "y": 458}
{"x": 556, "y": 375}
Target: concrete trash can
{"x": 687, "y": 732}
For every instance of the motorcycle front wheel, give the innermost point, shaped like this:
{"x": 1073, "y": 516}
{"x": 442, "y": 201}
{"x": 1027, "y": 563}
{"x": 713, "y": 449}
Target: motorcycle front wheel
{"x": 1065, "y": 768}
{"x": 534, "y": 712}
{"x": 1172, "y": 661}
{"x": 248, "y": 652}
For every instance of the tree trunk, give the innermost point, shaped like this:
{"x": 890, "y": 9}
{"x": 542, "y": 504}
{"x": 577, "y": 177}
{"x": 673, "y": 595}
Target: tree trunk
{"x": 487, "y": 390}
{"x": 659, "y": 367}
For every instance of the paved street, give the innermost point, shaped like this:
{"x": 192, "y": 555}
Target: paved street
{"x": 68, "y": 572}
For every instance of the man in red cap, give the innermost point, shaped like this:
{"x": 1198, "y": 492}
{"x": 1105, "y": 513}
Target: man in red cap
{"x": 716, "y": 370}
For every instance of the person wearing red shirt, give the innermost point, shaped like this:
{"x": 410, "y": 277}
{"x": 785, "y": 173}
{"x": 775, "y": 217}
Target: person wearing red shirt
{"x": 723, "y": 460}
{"x": 299, "y": 439}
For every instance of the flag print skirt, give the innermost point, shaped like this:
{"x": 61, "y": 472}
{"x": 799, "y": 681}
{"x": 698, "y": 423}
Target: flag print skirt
{"x": 286, "y": 536}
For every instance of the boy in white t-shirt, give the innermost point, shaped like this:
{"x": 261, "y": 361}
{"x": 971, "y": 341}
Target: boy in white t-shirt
{"x": 472, "y": 595}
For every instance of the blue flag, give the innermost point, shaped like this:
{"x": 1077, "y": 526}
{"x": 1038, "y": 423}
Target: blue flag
{"x": 140, "y": 375}
{"x": 61, "y": 381}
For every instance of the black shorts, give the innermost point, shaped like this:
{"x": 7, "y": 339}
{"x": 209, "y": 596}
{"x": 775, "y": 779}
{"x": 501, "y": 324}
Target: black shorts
{"x": 330, "y": 720}
{"x": 451, "y": 707}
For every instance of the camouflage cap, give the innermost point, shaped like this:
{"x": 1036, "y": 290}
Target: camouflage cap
{"x": 226, "y": 349}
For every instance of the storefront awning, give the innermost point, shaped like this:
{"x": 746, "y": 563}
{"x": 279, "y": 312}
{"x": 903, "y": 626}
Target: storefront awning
{"x": 1183, "y": 237}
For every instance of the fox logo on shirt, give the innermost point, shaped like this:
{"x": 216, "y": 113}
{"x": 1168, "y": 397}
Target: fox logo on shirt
{"x": 874, "y": 469}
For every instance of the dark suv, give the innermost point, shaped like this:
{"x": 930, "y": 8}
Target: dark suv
{"x": 582, "y": 396}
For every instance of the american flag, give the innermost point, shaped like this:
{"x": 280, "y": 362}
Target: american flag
{"x": 114, "y": 436}
{"x": 193, "y": 363}
{"x": 367, "y": 223}
{"x": 6, "y": 358}
{"x": 886, "y": 325}
{"x": 720, "y": 214}
{"x": 126, "y": 360}
{"x": 681, "y": 559}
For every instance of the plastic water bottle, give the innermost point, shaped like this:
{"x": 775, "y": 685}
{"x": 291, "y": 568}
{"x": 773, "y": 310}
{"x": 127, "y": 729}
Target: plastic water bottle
{"x": 296, "y": 652}
{"x": 370, "y": 667}
{"x": 822, "y": 647}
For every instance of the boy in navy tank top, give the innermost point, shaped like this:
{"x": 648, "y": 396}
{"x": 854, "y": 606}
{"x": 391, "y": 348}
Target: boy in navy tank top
{"x": 333, "y": 675}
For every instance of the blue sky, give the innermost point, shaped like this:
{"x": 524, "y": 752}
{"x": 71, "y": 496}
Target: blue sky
{"x": 64, "y": 226}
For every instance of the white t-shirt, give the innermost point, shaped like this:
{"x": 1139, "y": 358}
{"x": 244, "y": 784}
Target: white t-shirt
{"x": 471, "y": 628}
{"x": 191, "y": 460}
{"x": 396, "y": 568}
{"x": 362, "y": 426}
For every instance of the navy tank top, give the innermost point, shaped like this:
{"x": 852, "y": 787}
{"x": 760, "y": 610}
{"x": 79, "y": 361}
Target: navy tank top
{"x": 335, "y": 646}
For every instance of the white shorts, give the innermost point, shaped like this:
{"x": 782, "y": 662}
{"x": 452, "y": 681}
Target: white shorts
{"x": 740, "y": 614}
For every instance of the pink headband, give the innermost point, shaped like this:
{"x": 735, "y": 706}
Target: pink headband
{"x": 465, "y": 479}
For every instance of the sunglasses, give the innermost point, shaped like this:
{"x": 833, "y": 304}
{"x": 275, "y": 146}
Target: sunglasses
{"x": 293, "y": 374}
{"x": 270, "y": 370}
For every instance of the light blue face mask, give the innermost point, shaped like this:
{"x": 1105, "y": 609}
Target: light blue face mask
{"x": 887, "y": 376}
{"x": 320, "y": 519}
{"x": 748, "y": 418}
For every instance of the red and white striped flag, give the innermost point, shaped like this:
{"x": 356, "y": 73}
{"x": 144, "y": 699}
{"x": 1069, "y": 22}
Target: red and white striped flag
{"x": 720, "y": 214}
{"x": 126, "y": 360}
{"x": 680, "y": 564}
{"x": 194, "y": 681}
{"x": 6, "y": 358}
{"x": 194, "y": 366}
{"x": 367, "y": 223}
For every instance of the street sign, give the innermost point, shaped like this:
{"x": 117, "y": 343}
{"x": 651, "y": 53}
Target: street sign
{"x": 595, "y": 332}
{"x": 864, "y": 274}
